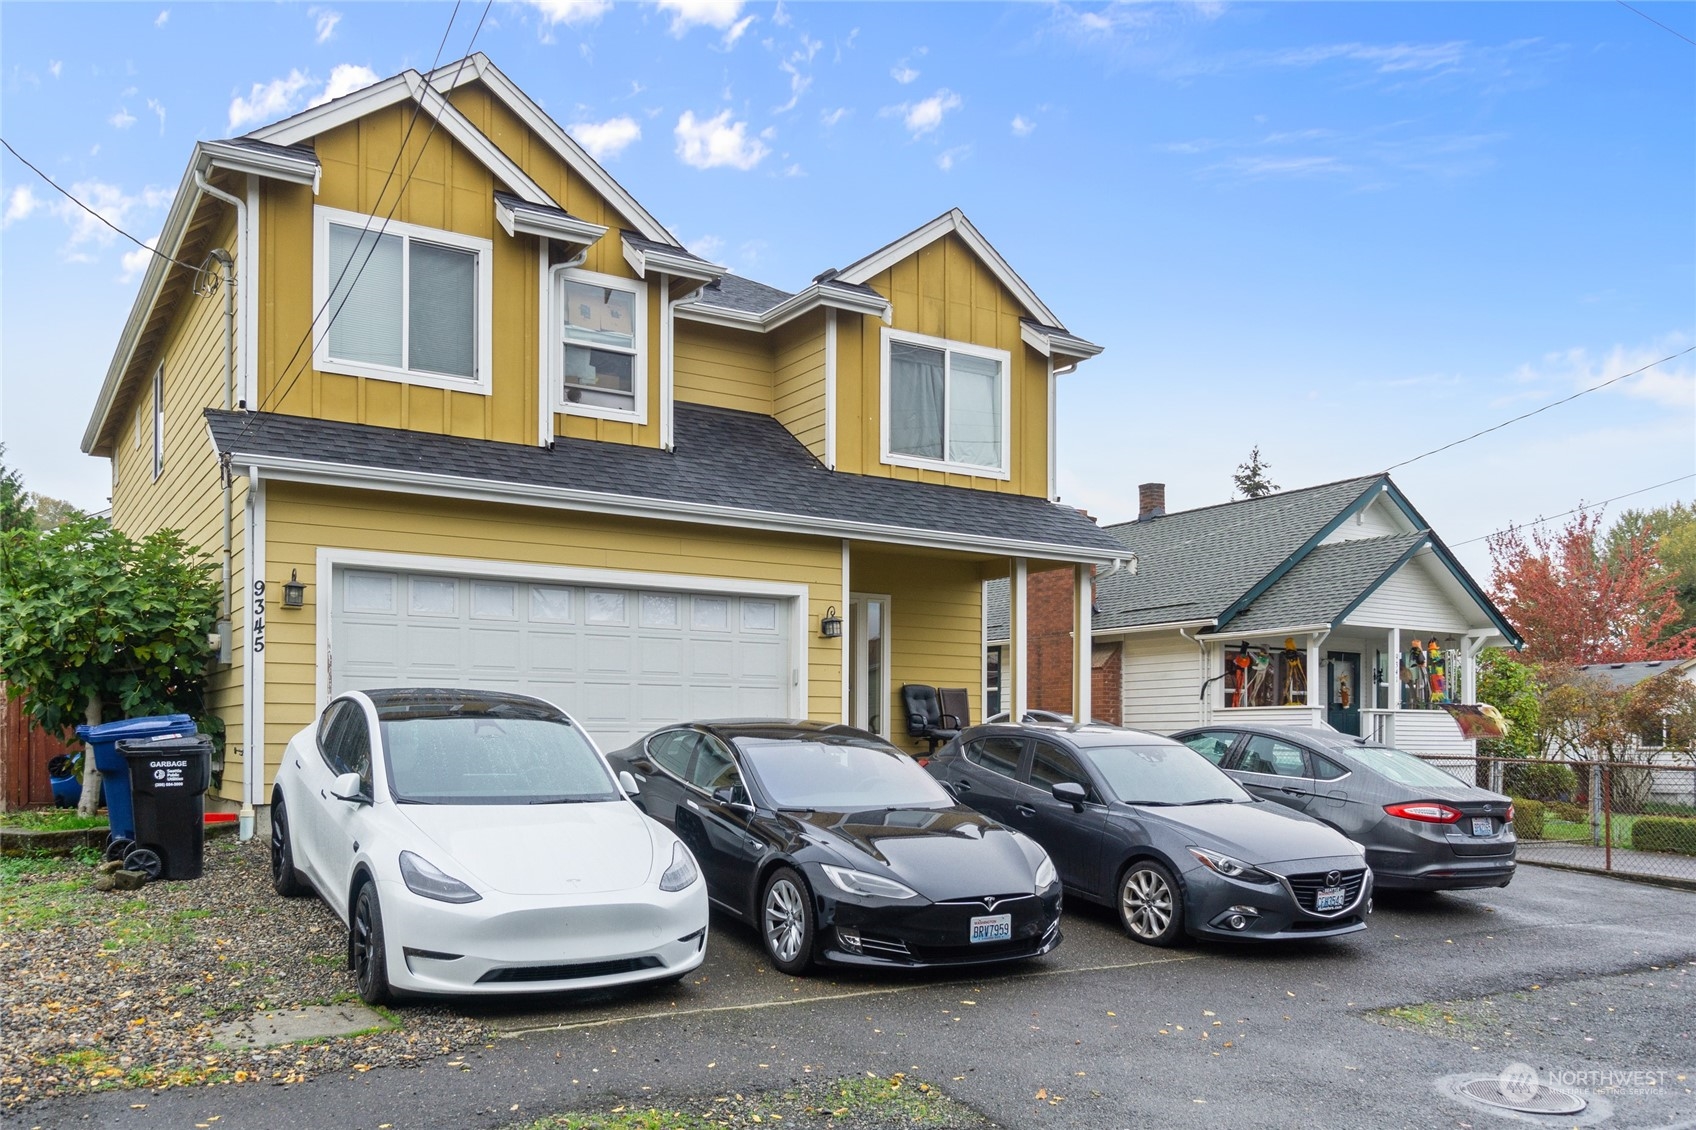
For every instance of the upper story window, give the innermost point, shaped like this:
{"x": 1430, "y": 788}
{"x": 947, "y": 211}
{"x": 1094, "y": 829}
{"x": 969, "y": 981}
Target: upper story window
{"x": 401, "y": 302}
{"x": 599, "y": 351}
{"x": 945, "y": 405}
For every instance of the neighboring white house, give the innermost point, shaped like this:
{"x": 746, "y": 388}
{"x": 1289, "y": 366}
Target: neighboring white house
{"x": 1302, "y": 608}
{"x": 1675, "y": 785}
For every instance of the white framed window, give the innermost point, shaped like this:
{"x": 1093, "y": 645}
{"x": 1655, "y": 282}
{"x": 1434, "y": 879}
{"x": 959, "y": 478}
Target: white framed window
{"x": 597, "y": 345}
{"x": 158, "y": 421}
{"x": 401, "y": 302}
{"x": 945, "y": 405}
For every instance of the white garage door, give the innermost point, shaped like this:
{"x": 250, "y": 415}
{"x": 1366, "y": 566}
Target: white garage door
{"x": 623, "y": 661}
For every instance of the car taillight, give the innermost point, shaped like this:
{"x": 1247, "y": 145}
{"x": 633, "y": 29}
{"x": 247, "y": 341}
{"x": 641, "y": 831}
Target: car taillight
{"x": 1427, "y": 811}
{"x": 1508, "y": 819}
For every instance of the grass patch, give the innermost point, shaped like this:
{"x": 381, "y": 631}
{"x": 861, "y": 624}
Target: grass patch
{"x": 1576, "y": 831}
{"x": 49, "y": 820}
{"x": 855, "y": 1103}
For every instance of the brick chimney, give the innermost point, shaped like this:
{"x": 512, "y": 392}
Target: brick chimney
{"x": 1151, "y": 501}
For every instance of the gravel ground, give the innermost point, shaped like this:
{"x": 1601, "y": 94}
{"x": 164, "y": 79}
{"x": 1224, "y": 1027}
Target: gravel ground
{"x": 125, "y": 988}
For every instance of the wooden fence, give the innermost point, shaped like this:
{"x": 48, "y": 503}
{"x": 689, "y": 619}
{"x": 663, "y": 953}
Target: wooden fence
{"x": 24, "y": 751}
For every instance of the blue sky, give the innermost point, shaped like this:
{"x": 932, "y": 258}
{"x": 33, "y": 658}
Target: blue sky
{"x": 1347, "y": 233}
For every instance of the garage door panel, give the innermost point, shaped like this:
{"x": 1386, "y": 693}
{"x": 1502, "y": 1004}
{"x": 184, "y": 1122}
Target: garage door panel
{"x": 434, "y": 646}
{"x": 761, "y": 661}
{"x": 659, "y": 655}
{"x": 496, "y": 650}
{"x": 551, "y": 650}
{"x": 712, "y": 659}
{"x": 370, "y": 643}
{"x": 606, "y": 654}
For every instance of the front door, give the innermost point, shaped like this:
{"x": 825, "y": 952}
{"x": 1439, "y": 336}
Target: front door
{"x": 868, "y": 670}
{"x": 1342, "y": 693}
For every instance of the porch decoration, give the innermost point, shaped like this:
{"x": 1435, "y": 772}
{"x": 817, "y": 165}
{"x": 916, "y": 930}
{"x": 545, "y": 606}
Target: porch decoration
{"x": 1295, "y": 675}
{"x": 1439, "y": 682}
{"x": 1477, "y": 721}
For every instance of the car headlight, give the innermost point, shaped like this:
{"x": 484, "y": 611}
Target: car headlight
{"x": 867, "y": 886}
{"x": 1231, "y": 868}
{"x": 425, "y": 878}
{"x": 1045, "y": 874}
{"x": 682, "y": 871}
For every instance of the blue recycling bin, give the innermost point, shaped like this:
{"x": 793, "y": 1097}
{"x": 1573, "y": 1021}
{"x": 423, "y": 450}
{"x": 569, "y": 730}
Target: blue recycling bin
{"x": 103, "y": 741}
{"x": 67, "y": 789}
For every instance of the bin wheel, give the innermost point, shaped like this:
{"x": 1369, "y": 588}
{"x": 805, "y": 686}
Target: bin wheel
{"x": 145, "y": 860}
{"x": 118, "y": 848}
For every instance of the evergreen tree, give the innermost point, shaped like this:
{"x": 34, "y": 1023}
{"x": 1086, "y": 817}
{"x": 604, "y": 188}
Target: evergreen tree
{"x": 1251, "y": 480}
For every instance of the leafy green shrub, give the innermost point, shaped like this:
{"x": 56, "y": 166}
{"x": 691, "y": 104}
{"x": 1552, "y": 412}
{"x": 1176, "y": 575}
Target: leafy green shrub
{"x": 1664, "y": 833}
{"x": 1527, "y": 818}
{"x": 1662, "y": 808}
{"x": 1575, "y": 813}
{"x": 1539, "y": 780}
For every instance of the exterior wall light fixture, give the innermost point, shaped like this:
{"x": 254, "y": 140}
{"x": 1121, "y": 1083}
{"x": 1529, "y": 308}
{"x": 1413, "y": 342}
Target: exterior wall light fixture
{"x": 830, "y": 624}
{"x": 294, "y": 591}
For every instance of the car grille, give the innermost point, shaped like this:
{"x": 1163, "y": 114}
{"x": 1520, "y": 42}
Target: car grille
{"x": 1306, "y": 889}
{"x": 884, "y": 947}
{"x": 999, "y": 904}
{"x": 579, "y": 971}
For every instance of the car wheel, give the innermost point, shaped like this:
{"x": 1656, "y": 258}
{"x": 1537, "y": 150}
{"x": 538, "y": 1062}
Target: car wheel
{"x": 1150, "y": 908}
{"x": 370, "y": 959}
{"x": 285, "y": 880}
{"x": 786, "y": 921}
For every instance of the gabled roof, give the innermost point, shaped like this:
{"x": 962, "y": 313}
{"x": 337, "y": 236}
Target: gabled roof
{"x": 728, "y": 468}
{"x": 1322, "y": 586}
{"x": 1620, "y": 675}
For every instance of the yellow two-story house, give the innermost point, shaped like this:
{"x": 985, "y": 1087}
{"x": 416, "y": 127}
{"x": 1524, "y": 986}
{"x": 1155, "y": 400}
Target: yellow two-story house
{"x": 450, "y": 407}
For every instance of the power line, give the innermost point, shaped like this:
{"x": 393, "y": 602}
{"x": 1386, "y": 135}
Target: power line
{"x": 1545, "y": 408}
{"x": 1574, "y": 510}
{"x": 1657, "y": 23}
{"x": 55, "y": 186}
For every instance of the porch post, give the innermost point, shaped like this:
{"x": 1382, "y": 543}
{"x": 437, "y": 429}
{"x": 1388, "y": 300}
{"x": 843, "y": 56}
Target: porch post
{"x": 1015, "y": 665}
{"x": 1314, "y": 708}
{"x": 1393, "y": 669}
{"x": 1083, "y": 670}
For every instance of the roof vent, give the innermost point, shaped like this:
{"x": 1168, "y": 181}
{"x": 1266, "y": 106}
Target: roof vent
{"x": 825, "y": 276}
{"x": 1151, "y": 501}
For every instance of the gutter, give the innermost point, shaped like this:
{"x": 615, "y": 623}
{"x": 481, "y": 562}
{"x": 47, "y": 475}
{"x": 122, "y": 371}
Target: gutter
{"x": 804, "y": 302}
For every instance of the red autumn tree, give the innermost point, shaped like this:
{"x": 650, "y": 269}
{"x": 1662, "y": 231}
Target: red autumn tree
{"x": 1574, "y": 603}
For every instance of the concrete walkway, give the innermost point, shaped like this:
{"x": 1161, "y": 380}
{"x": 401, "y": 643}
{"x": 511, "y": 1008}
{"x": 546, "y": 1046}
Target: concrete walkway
{"x": 1659, "y": 867}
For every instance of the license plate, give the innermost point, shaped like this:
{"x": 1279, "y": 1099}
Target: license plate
{"x": 1330, "y": 898}
{"x": 1483, "y": 826}
{"x": 992, "y": 928}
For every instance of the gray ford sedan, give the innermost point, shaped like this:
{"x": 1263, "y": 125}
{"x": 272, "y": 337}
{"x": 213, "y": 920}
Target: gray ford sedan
{"x": 1423, "y": 830}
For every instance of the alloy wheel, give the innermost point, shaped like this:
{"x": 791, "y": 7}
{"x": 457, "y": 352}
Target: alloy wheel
{"x": 1146, "y": 904}
{"x": 364, "y": 952}
{"x": 785, "y": 920}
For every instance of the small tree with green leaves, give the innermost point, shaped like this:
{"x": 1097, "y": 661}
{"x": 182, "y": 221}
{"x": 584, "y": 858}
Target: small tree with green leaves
{"x": 16, "y": 510}
{"x": 1251, "y": 479}
{"x": 93, "y": 622}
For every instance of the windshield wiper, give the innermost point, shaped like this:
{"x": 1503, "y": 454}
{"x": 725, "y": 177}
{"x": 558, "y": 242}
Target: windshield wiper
{"x": 1212, "y": 800}
{"x": 566, "y": 800}
{"x": 1153, "y": 803}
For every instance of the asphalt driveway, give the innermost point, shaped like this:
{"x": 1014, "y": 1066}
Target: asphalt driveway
{"x": 1582, "y": 976}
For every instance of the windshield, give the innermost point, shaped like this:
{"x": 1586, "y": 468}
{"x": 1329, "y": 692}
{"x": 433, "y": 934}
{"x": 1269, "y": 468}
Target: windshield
{"x": 1163, "y": 774}
{"x": 1404, "y": 768}
{"x": 482, "y": 758}
{"x": 839, "y": 776}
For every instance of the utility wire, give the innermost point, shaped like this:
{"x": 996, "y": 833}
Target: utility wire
{"x": 55, "y": 186}
{"x": 1575, "y": 510}
{"x": 1657, "y": 23}
{"x": 1545, "y": 408}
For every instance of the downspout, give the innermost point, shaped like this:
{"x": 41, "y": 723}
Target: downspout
{"x": 1201, "y": 659}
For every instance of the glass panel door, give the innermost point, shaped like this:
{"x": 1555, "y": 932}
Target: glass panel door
{"x": 868, "y": 672}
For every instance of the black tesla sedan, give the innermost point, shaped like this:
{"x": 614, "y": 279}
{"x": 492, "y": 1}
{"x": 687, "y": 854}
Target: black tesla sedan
{"x": 1146, "y": 825}
{"x": 837, "y": 847}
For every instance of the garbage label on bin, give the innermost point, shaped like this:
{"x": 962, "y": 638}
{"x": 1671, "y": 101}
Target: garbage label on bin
{"x": 170, "y": 774}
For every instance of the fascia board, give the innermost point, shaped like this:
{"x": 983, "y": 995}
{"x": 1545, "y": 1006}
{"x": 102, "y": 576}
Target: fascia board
{"x": 479, "y": 68}
{"x": 560, "y": 498}
{"x": 648, "y": 260}
{"x": 815, "y": 297}
{"x": 717, "y": 316}
{"x": 570, "y": 229}
{"x": 297, "y": 128}
{"x": 1066, "y": 347}
{"x": 276, "y": 167}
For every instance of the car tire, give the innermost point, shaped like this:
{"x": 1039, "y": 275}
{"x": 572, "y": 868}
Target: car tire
{"x": 366, "y": 948}
{"x": 285, "y": 878}
{"x": 1151, "y": 908}
{"x": 786, "y": 921}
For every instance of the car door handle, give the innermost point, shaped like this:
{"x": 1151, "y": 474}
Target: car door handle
{"x": 1292, "y": 792}
{"x": 963, "y": 785}
{"x": 1024, "y": 810}
{"x": 693, "y": 805}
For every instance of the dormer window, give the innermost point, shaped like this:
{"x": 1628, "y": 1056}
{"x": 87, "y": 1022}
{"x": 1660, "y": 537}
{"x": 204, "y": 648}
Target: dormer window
{"x": 945, "y": 405}
{"x": 401, "y": 302}
{"x": 599, "y": 347}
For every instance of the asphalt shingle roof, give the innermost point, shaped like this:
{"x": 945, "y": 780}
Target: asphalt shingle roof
{"x": 740, "y": 460}
{"x": 1322, "y": 584}
{"x": 1620, "y": 675}
{"x": 734, "y": 292}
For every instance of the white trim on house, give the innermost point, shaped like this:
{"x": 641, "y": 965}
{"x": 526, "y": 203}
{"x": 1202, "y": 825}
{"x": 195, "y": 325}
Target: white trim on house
{"x": 830, "y": 408}
{"x": 812, "y": 298}
{"x": 544, "y": 368}
{"x": 900, "y": 459}
{"x": 303, "y": 169}
{"x": 677, "y": 263}
{"x": 158, "y": 421}
{"x": 668, "y": 367}
{"x": 331, "y": 558}
{"x": 954, "y": 221}
{"x": 1053, "y": 434}
{"x": 553, "y": 345}
{"x": 1018, "y": 612}
{"x": 481, "y": 382}
{"x": 248, "y": 274}
{"x": 847, "y": 614}
{"x": 547, "y": 225}
{"x": 434, "y": 485}
{"x": 861, "y": 658}
{"x": 1052, "y": 343}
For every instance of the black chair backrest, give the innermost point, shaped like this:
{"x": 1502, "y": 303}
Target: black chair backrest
{"x": 923, "y": 709}
{"x": 956, "y": 707}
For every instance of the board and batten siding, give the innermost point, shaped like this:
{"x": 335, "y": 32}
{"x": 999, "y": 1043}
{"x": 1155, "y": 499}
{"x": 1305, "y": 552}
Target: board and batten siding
{"x": 186, "y": 496}
{"x": 303, "y": 518}
{"x": 1410, "y": 599}
{"x": 799, "y": 400}
{"x": 1161, "y": 682}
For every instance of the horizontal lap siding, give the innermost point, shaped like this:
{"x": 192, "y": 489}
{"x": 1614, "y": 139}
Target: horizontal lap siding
{"x": 799, "y": 381}
{"x": 1411, "y": 600}
{"x": 187, "y": 496}
{"x": 301, "y": 519}
{"x": 935, "y": 621}
{"x": 723, "y": 367}
{"x": 1433, "y": 733}
{"x": 1376, "y": 520}
{"x": 1161, "y": 685}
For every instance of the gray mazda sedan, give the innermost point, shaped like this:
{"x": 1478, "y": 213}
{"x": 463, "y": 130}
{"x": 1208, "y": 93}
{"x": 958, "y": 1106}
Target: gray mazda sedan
{"x": 1143, "y": 824}
{"x": 1423, "y": 830}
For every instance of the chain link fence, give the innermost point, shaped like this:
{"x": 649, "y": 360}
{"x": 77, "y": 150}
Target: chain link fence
{"x": 1625, "y": 817}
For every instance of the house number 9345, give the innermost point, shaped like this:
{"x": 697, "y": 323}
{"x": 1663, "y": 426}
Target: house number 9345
{"x": 258, "y": 616}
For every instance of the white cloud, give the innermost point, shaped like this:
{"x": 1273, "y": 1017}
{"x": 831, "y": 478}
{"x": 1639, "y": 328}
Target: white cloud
{"x": 685, "y": 14}
{"x": 110, "y": 203}
{"x": 606, "y": 140}
{"x": 571, "y": 11}
{"x": 735, "y": 31}
{"x": 162, "y": 18}
{"x": 794, "y": 170}
{"x": 158, "y": 109}
{"x": 123, "y": 119}
{"x": 922, "y": 117}
{"x": 325, "y": 25}
{"x": 798, "y": 84}
{"x": 713, "y": 142}
{"x": 269, "y": 100}
{"x": 903, "y": 74}
{"x": 947, "y": 159}
{"x": 20, "y": 205}
{"x": 55, "y": 67}
{"x": 1671, "y": 385}
{"x": 135, "y": 261}
{"x": 831, "y": 117}
{"x": 780, "y": 16}
{"x": 707, "y": 247}
{"x": 1022, "y": 126}
{"x": 345, "y": 79}
{"x": 1388, "y": 59}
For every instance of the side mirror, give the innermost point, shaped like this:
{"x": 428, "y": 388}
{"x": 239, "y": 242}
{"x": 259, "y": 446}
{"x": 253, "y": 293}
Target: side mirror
{"x": 733, "y": 795}
{"x": 1072, "y": 793}
{"x": 628, "y": 783}
{"x": 349, "y": 787}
